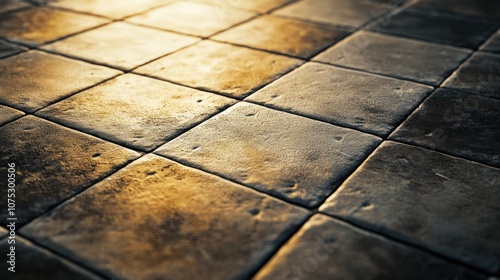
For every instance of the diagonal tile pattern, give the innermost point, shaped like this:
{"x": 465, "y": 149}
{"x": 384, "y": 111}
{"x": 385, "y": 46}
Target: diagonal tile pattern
{"x": 266, "y": 139}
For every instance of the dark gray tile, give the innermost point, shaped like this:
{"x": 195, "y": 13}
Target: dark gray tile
{"x": 7, "y": 48}
{"x": 156, "y": 219}
{"x": 460, "y": 124}
{"x": 52, "y": 164}
{"x": 295, "y": 158}
{"x": 493, "y": 44}
{"x": 398, "y": 57}
{"x": 326, "y": 249}
{"x": 480, "y": 75}
{"x": 34, "y": 79}
{"x": 131, "y": 45}
{"x": 141, "y": 118}
{"x": 37, "y": 26}
{"x": 336, "y": 12}
{"x": 439, "y": 27}
{"x": 367, "y": 102}
{"x": 445, "y": 204}
{"x": 35, "y": 263}
{"x": 8, "y": 114}
{"x": 224, "y": 68}
{"x": 195, "y": 18}
{"x": 487, "y": 9}
{"x": 281, "y": 35}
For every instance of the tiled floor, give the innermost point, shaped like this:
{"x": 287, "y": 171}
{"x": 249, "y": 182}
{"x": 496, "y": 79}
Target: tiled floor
{"x": 269, "y": 139}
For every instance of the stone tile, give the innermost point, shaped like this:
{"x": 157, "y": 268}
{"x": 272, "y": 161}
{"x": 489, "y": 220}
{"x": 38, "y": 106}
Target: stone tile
{"x": 195, "y": 18}
{"x": 11, "y": 5}
{"x": 53, "y": 163}
{"x": 168, "y": 221}
{"x": 456, "y": 123}
{"x": 285, "y": 36}
{"x": 398, "y": 57}
{"x": 42, "y": 25}
{"x": 116, "y": 9}
{"x": 480, "y": 75}
{"x": 487, "y": 9}
{"x": 445, "y": 204}
{"x": 363, "y": 101}
{"x": 295, "y": 158}
{"x": 325, "y": 248}
{"x": 132, "y": 45}
{"x": 56, "y": 78}
{"x": 439, "y": 27}
{"x": 493, "y": 44}
{"x": 8, "y": 114}
{"x": 256, "y": 5}
{"x": 34, "y": 263}
{"x": 3, "y": 232}
{"x": 7, "y": 48}
{"x": 337, "y": 12}
{"x": 141, "y": 118}
{"x": 235, "y": 71}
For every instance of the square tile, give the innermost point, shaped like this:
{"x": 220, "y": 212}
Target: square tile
{"x": 439, "y": 27}
{"x": 493, "y": 44}
{"x": 195, "y": 18}
{"x": 479, "y": 75}
{"x": 131, "y": 45}
{"x": 445, "y": 204}
{"x": 487, "y": 9}
{"x": 256, "y": 5}
{"x": 53, "y": 163}
{"x": 461, "y": 124}
{"x": 34, "y": 263}
{"x": 295, "y": 158}
{"x": 136, "y": 111}
{"x": 7, "y": 48}
{"x": 11, "y": 5}
{"x": 325, "y": 248}
{"x": 56, "y": 78}
{"x": 188, "y": 222}
{"x": 3, "y": 232}
{"x": 368, "y": 102}
{"x": 336, "y": 12}
{"x": 42, "y": 25}
{"x": 8, "y": 114}
{"x": 284, "y": 36}
{"x": 115, "y": 9}
{"x": 397, "y": 57}
{"x": 235, "y": 71}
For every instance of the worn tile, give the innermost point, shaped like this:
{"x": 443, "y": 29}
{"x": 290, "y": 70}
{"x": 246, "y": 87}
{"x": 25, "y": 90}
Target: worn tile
{"x": 337, "y": 12}
{"x": 439, "y": 27}
{"x": 195, "y": 18}
{"x": 256, "y": 5}
{"x": 493, "y": 44}
{"x": 7, "y": 48}
{"x": 3, "y": 232}
{"x": 457, "y": 123}
{"x": 116, "y": 9}
{"x": 8, "y": 114}
{"x": 295, "y": 158}
{"x": 480, "y": 75}
{"x": 445, "y": 204}
{"x": 12, "y": 5}
{"x": 363, "y": 101}
{"x": 132, "y": 45}
{"x": 52, "y": 163}
{"x": 235, "y": 71}
{"x": 285, "y": 36}
{"x": 129, "y": 110}
{"x": 487, "y": 9}
{"x": 185, "y": 229}
{"x": 398, "y": 57}
{"x": 34, "y": 263}
{"x": 325, "y": 248}
{"x": 56, "y": 77}
{"x": 41, "y": 25}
